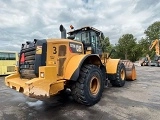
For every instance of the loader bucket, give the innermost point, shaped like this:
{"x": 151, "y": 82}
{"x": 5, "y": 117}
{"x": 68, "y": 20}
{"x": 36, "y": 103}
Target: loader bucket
{"x": 130, "y": 70}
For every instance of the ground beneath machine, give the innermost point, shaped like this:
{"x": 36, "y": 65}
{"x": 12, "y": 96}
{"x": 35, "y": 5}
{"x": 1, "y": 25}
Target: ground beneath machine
{"x": 137, "y": 100}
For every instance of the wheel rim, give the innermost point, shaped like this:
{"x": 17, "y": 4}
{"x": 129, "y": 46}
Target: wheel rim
{"x": 94, "y": 85}
{"x": 122, "y": 74}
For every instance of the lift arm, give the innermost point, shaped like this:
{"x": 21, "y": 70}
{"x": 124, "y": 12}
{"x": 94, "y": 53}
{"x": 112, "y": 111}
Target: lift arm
{"x": 155, "y": 44}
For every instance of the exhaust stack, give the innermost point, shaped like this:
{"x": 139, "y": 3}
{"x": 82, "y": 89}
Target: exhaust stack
{"x": 63, "y": 32}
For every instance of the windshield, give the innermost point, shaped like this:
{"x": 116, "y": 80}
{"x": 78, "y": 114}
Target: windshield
{"x": 82, "y": 37}
{"x": 77, "y": 37}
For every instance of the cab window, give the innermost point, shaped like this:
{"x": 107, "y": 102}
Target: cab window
{"x": 85, "y": 38}
{"x": 78, "y": 37}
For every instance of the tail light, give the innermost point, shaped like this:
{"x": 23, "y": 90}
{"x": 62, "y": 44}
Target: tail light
{"x": 22, "y": 58}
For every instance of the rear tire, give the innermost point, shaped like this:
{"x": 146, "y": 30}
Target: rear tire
{"x": 88, "y": 88}
{"x": 120, "y": 76}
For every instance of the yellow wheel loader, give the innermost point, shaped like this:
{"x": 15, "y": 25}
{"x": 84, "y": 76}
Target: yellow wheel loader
{"x": 155, "y": 44}
{"x": 49, "y": 66}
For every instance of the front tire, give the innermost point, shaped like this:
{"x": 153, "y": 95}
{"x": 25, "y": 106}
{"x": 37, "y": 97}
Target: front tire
{"x": 88, "y": 88}
{"x": 120, "y": 76}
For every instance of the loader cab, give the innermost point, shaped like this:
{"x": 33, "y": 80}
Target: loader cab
{"x": 90, "y": 37}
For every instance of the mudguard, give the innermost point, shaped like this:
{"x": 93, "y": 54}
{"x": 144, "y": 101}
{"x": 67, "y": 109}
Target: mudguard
{"x": 74, "y": 65}
{"x": 111, "y": 66}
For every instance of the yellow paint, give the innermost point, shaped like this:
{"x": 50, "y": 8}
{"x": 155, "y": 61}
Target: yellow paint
{"x": 51, "y": 62}
{"x": 88, "y": 52}
{"x": 55, "y": 88}
{"x": 72, "y": 65}
{"x": 37, "y": 87}
{"x": 111, "y": 65}
{"x": 49, "y": 73}
{"x": 14, "y": 80}
{"x": 54, "y": 59}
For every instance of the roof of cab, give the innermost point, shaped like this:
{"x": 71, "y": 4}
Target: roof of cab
{"x": 85, "y": 28}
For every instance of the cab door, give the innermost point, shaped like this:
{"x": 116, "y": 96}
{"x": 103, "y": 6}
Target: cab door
{"x": 95, "y": 43}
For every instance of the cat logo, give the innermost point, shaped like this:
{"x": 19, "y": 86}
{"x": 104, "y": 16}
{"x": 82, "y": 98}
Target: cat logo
{"x": 39, "y": 50}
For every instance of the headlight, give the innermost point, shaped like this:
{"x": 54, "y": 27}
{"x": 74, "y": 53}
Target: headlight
{"x": 42, "y": 74}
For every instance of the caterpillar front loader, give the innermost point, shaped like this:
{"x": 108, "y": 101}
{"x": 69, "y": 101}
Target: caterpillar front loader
{"x": 49, "y": 66}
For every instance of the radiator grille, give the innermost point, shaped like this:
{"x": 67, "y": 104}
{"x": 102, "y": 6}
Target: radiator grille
{"x": 27, "y": 68}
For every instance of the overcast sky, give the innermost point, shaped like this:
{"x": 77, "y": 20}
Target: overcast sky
{"x": 24, "y": 20}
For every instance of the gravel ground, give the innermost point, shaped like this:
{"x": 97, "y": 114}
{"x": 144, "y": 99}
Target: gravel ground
{"x": 137, "y": 100}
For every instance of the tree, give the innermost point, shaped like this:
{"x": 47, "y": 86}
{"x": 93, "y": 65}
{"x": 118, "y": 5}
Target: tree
{"x": 143, "y": 45}
{"x": 106, "y": 46}
{"x": 125, "y": 47}
{"x": 153, "y": 31}
{"x": 142, "y": 48}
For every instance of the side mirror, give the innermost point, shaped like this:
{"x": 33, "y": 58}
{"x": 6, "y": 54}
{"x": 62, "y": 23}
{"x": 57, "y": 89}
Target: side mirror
{"x": 102, "y": 36}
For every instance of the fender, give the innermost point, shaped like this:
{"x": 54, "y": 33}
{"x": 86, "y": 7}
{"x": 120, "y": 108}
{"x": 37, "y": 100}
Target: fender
{"x": 75, "y": 63}
{"x": 111, "y": 66}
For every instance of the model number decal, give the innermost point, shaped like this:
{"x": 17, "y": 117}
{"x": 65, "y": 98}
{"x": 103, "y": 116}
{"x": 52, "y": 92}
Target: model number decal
{"x": 75, "y": 47}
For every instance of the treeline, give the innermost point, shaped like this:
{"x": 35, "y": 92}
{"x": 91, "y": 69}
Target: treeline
{"x": 128, "y": 47}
